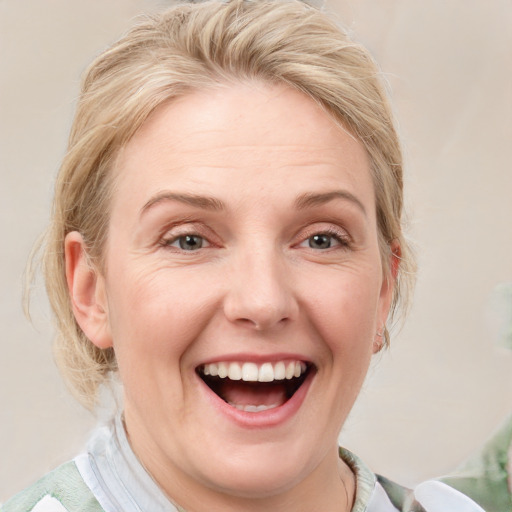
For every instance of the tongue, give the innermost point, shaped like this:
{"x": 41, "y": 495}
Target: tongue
{"x": 244, "y": 393}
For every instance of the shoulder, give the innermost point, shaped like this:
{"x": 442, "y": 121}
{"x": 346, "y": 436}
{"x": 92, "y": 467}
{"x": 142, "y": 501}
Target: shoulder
{"x": 62, "y": 490}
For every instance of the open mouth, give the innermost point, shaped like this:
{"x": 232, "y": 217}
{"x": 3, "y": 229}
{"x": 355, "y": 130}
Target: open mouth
{"x": 255, "y": 387}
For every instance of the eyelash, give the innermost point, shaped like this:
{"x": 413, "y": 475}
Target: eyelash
{"x": 182, "y": 229}
{"x": 169, "y": 242}
{"x": 339, "y": 236}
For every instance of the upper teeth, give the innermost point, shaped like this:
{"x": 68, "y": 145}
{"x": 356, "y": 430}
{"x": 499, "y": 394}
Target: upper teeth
{"x": 251, "y": 372}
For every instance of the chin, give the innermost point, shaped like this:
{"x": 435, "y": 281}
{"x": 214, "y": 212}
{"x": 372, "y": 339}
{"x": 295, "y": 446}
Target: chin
{"x": 259, "y": 470}
{"x": 256, "y": 481}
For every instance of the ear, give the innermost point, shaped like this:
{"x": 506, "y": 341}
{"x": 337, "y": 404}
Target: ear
{"x": 386, "y": 293}
{"x": 87, "y": 292}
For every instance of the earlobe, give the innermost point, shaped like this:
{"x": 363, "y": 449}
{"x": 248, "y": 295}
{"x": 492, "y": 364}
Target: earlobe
{"x": 379, "y": 340}
{"x": 86, "y": 287}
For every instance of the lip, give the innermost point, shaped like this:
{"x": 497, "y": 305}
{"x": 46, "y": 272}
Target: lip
{"x": 263, "y": 419}
{"x": 256, "y": 358}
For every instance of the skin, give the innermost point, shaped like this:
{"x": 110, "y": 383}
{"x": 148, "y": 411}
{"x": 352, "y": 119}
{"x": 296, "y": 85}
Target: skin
{"x": 257, "y": 288}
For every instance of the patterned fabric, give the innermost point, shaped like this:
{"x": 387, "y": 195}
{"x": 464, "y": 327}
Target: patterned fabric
{"x": 62, "y": 490}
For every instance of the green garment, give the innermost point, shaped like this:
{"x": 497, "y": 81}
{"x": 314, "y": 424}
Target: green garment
{"x": 485, "y": 476}
{"x": 65, "y": 484}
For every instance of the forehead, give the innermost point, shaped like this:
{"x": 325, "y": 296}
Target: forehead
{"x": 242, "y": 133}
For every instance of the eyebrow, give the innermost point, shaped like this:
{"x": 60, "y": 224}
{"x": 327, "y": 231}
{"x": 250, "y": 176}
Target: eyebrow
{"x": 204, "y": 202}
{"x": 304, "y": 201}
{"x": 309, "y": 200}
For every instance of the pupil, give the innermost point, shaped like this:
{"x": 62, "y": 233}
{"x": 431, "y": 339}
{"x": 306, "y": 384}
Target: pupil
{"x": 320, "y": 242}
{"x": 190, "y": 242}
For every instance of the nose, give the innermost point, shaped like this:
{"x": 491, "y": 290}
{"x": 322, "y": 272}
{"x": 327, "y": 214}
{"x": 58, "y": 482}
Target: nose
{"x": 260, "y": 294}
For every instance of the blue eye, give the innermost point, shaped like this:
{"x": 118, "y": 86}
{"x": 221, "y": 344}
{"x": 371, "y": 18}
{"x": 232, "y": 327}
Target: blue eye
{"x": 188, "y": 242}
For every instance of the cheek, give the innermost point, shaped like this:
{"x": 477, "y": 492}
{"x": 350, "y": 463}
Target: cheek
{"x": 155, "y": 313}
{"x": 346, "y": 312}
{"x": 152, "y": 327}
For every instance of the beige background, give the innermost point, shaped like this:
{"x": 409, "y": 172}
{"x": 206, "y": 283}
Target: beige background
{"x": 445, "y": 385}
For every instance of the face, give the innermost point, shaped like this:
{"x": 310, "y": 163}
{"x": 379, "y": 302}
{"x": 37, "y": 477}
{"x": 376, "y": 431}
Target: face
{"x": 242, "y": 289}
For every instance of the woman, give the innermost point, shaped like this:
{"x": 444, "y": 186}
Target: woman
{"x": 226, "y": 239}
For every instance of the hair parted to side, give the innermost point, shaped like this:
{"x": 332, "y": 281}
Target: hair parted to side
{"x": 195, "y": 46}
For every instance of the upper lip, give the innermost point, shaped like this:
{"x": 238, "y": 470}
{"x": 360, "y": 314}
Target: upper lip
{"x": 256, "y": 358}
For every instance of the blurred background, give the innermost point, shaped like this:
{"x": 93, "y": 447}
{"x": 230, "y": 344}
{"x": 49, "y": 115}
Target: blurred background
{"x": 445, "y": 384}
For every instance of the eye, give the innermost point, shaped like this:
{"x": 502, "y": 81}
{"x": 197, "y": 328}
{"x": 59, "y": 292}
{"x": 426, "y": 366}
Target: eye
{"x": 320, "y": 241}
{"x": 323, "y": 240}
{"x": 187, "y": 242}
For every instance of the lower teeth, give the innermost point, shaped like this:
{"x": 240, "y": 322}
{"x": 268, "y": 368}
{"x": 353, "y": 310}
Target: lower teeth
{"x": 253, "y": 408}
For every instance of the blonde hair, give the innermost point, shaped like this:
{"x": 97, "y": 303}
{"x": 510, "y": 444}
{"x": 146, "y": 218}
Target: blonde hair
{"x": 190, "y": 47}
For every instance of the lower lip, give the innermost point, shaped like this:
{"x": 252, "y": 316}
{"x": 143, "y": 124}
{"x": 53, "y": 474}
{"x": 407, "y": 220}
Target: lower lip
{"x": 263, "y": 419}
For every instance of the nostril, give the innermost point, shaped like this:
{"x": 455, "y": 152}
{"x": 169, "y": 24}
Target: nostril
{"x": 255, "y": 324}
{"x": 261, "y": 324}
